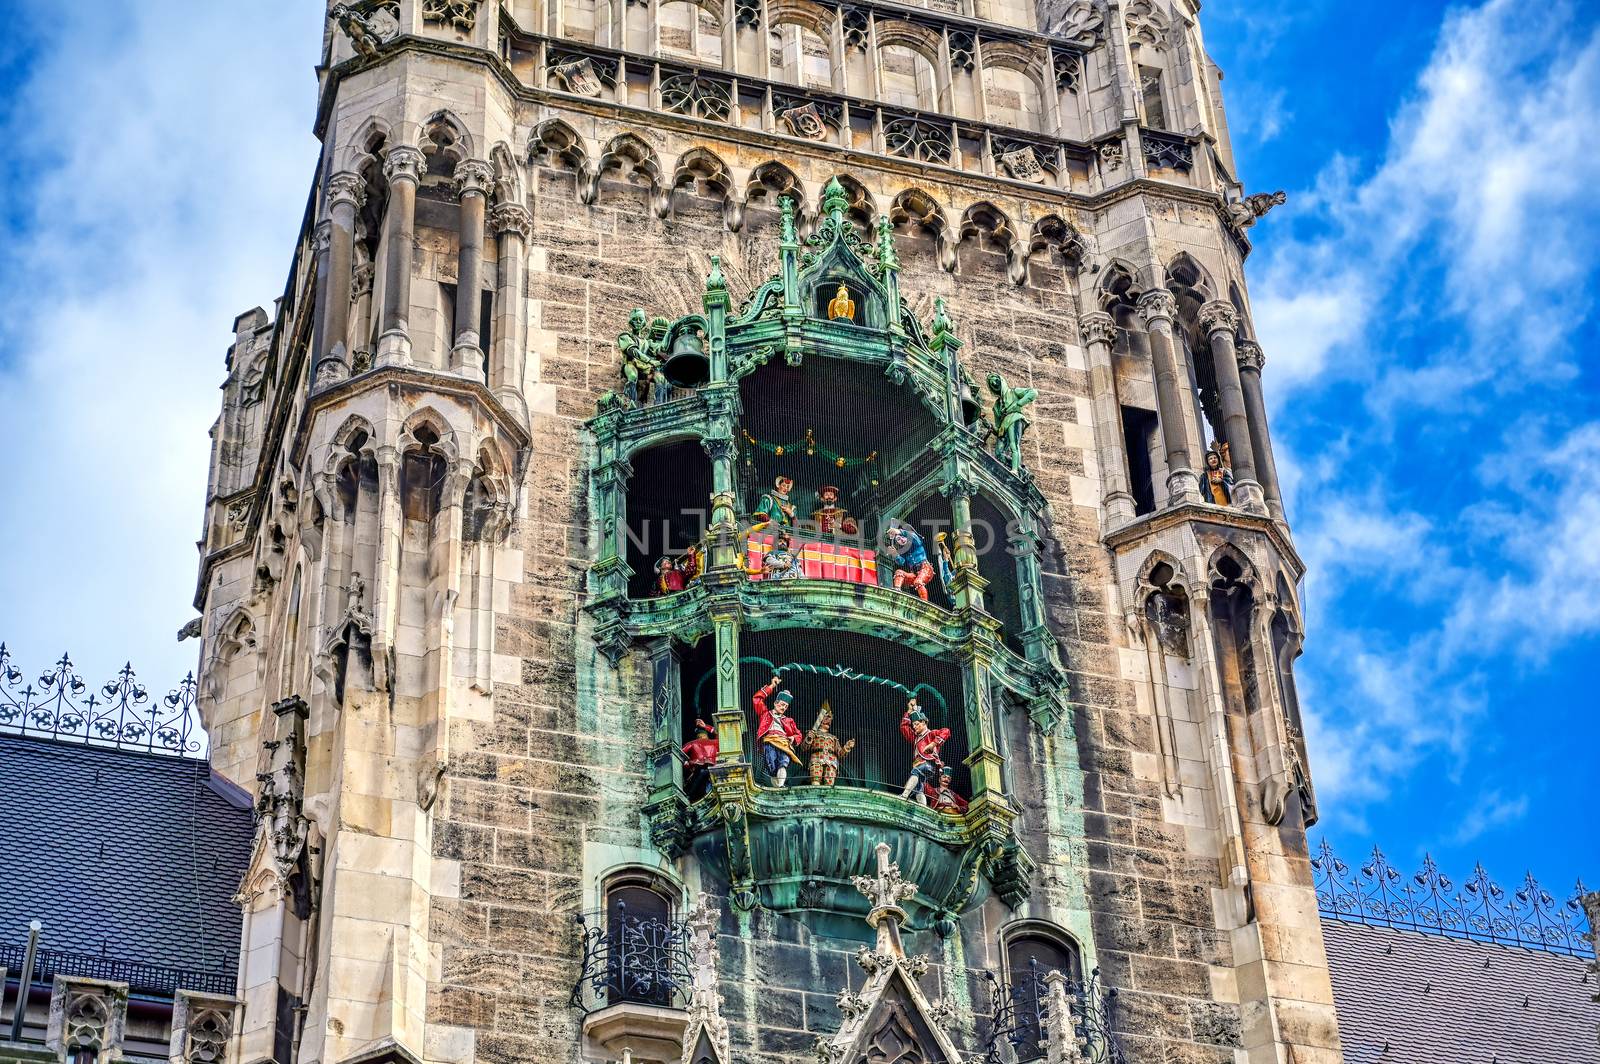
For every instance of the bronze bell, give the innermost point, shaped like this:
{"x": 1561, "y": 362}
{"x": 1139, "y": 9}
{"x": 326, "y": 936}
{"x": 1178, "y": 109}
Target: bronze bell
{"x": 971, "y": 408}
{"x": 686, "y": 365}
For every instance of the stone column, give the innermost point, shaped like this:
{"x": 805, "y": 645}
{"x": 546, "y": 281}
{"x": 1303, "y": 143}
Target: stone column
{"x": 1250, "y": 360}
{"x": 511, "y": 225}
{"x": 472, "y": 181}
{"x": 1158, "y": 307}
{"x": 361, "y": 290}
{"x": 345, "y": 193}
{"x": 403, "y": 167}
{"x": 1099, "y": 331}
{"x": 1219, "y": 748}
{"x": 1218, "y": 322}
{"x": 386, "y": 575}
{"x": 321, "y": 237}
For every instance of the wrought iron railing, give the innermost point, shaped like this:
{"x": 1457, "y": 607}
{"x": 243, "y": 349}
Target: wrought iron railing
{"x": 1377, "y": 893}
{"x": 643, "y": 960}
{"x": 140, "y": 977}
{"x": 1022, "y": 1023}
{"x": 119, "y": 713}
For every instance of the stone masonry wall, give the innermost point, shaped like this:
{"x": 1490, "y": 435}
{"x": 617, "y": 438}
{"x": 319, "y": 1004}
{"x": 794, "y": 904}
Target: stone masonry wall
{"x": 549, "y": 793}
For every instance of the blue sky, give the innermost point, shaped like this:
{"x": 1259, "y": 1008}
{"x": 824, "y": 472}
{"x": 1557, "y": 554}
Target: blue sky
{"x": 1424, "y": 301}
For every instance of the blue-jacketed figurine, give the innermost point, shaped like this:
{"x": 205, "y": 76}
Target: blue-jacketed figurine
{"x": 912, "y": 570}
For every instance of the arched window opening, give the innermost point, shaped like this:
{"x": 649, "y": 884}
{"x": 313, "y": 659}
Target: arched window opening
{"x": 422, "y": 473}
{"x": 800, "y": 56}
{"x": 994, "y": 537}
{"x": 644, "y": 948}
{"x": 668, "y": 509}
{"x": 828, "y": 423}
{"x": 1031, "y": 954}
{"x": 1012, "y": 99}
{"x": 444, "y": 145}
{"x": 689, "y": 31}
{"x": 907, "y": 78}
{"x": 865, "y": 684}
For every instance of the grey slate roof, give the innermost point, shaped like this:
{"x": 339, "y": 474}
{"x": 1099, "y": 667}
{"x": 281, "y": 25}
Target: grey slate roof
{"x": 1405, "y": 996}
{"x": 130, "y": 856}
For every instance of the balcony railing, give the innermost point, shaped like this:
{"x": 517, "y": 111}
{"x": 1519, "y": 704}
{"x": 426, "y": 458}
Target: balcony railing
{"x": 141, "y": 978}
{"x": 641, "y": 960}
{"x": 752, "y": 102}
{"x": 1023, "y": 1021}
{"x": 1376, "y": 892}
{"x": 119, "y": 714}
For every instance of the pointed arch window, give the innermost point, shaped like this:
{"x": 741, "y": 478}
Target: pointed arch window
{"x": 1031, "y": 953}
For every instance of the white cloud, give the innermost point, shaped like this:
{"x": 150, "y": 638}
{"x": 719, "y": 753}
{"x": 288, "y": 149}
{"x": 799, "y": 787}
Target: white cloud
{"x": 1445, "y": 280}
{"x": 1482, "y": 181}
{"x": 165, "y": 156}
{"x": 1491, "y": 809}
{"x": 1544, "y": 526}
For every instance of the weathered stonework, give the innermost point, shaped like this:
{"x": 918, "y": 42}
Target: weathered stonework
{"x": 405, "y": 524}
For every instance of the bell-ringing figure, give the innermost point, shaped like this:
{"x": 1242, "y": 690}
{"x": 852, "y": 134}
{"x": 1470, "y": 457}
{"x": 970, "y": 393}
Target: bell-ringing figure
{"x": 638, "y": 364}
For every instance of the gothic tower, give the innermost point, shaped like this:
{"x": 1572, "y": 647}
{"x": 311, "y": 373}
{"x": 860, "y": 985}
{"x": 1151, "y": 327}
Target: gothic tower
{"x": 876, "y": 646}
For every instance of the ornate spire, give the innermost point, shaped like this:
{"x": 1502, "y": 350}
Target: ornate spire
{"x": 887, "y": 258}
{"x": 886, "y": 891}
{"x": 708, "y": 1030}
{"x": 786, "y": 232}
{"x": 890, "y": 1018}
{"x": 835, "y": 201}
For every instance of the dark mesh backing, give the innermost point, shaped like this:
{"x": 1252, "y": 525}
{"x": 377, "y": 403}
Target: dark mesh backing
{"x": 865, "y": 708}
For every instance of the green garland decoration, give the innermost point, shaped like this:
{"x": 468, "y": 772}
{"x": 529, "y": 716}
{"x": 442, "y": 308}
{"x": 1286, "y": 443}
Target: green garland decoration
{"x": 810, "y": 447}
{"x": 841, "y": 672}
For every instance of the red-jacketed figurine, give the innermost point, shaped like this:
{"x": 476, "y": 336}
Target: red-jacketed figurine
{"x": 699, "y": 754}
{"x": 944, "y": 797}
{"x": 778, "y": 733}
{"x": 669, "y": 577}
{"x": 925, "y": 745}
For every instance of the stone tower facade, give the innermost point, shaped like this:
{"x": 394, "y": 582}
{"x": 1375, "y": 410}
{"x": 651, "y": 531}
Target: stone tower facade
{"x": 502, "y": 580}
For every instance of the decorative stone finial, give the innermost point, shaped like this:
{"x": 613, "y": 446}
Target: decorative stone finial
{"x": 941, "y": 320}
{"x": 886, "y": 890}
{"x": 786, "y": 232}
{"x": 888, "y": 259}
{"x": 835, "y": 201}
